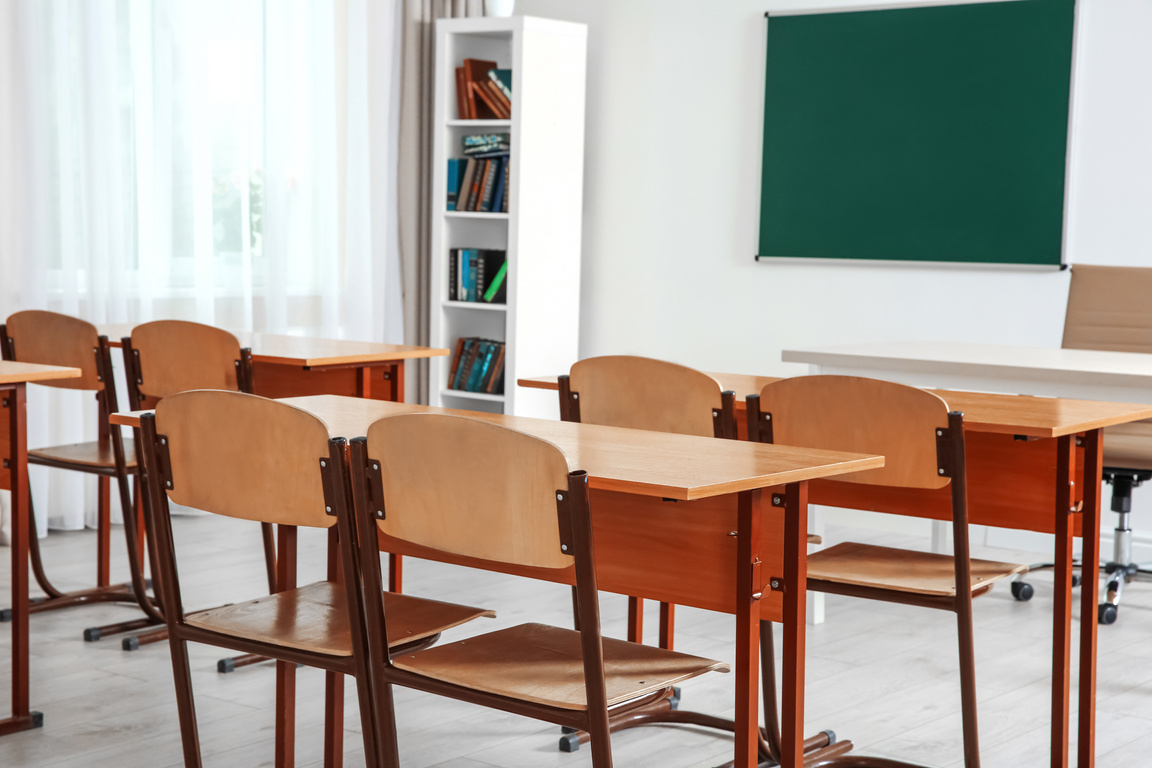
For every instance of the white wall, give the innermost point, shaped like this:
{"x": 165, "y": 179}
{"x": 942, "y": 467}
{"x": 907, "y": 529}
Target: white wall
{"x": 675, "y": 100}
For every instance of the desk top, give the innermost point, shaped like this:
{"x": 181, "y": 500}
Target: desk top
{"x": 304, "y": 351}
{"x": 983, "y": 412}
{"x": 1064, "y": 366}
{"x": 15, "y": 373}
{"x": 678, "y": 467}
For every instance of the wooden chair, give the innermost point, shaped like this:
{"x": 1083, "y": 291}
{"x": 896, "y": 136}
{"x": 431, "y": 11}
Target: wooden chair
{"x": 469, "y": 491}
{"x": 246, "y": 457}
{"x": 36, "y": 336}
{"x": 923, "y": 448}
{"x": 162, "y": 358}
{"x": 1108, "y": 309}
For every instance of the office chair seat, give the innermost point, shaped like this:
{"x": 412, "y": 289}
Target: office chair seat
{"x": 97, "y": 455}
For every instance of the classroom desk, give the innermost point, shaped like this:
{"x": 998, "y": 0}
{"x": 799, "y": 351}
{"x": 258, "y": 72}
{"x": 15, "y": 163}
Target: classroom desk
{"x": 14, "y": 477}
{"x": 700, "y": 507}
{"x": 1027, "y": 460}
{"x": 287, "y": 366}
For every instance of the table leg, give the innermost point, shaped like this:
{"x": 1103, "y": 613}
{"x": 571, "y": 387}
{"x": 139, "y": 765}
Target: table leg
{"x": 794, "y": 625}
{"x": 1062, "y": 600}
{"x": 22, "y": 718}
{"x": 364, "y": 382}
{"x": 747, "y": 609}
{"x": 1089, "y": 597}
{"x": 394, "y": 375}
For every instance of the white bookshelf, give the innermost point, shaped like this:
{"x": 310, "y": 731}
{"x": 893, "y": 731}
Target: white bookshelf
{"x": 540, "y": 232}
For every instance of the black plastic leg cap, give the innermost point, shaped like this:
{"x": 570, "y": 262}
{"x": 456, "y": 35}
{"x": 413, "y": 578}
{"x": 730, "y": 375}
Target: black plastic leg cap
{"x": 130, "y": 643}
{"x": 225, "y": 665}
{"x": 1022, "y": 591}
{"x": 570, "y": 742}
{"x": 92, "y": 634}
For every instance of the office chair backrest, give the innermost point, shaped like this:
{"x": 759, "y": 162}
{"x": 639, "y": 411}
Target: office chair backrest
{"x": 642, "y": 393}
{"x": 470, "y": 488}
{"x": 173, "y": 356}
{"x": 1109, "y": 308}
{"x": 49, "y": 338}
{"x": 245, "y": 456}
{"x": 859, "y": 415}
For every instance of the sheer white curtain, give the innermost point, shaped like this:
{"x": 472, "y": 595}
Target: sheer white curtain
{"x": 225, "y": 161}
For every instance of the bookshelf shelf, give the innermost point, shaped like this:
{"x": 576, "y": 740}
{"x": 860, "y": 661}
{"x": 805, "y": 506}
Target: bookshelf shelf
{"x": 464, "y": 395}
{"x": 540, "y": 233}
{"x": 482, "y": 306}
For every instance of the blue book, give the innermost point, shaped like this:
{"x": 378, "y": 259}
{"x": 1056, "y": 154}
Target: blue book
{"x": 465, "y": 356}
{"x": 498, "y": 195}
{"x": 466, "y": 274}
{"x": 455, "y": 169}
{"x": 483, "y": 361}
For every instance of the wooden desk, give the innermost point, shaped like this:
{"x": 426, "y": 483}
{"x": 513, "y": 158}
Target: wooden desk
{"x": 1033, "y": 463}
{"x": 14, "y": 477}
{"x": 685, "y": 497}
{"x": 287, "y": 366}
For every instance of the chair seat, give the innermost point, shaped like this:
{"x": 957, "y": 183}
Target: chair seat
{"x": 542, "y": 664}
{"x": 1129, "y": 445}
{"x": 901, "y": 570}
{"x": 96, "y": 456}
{"x": 315, "y": 618}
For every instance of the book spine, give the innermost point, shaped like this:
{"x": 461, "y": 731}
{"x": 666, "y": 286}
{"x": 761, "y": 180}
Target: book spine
{"x": 481, "y": 275}
{"x": 455, "y": 361}
{"x": 453, "y": 269}
{"x": 507, "y": 184}
{"x": 465, "y": 274}
{"x": 453, "y": 182}
{"x": 477, "y": 182}
{"x": 494, "y": 289}
{"x": 473, "y": 270}
{"x": 467, "y": 365}
{"x": 465, "y": 353}
{"x": 483, "y": 360}
{"x": 495, "y": 369}
{"x": 493, "y": 171}
{"x": 462, "y": 107}
{"x": 495, "y": 75}
{"x": 498, "y": 195}
{"x": 466, "y": 184}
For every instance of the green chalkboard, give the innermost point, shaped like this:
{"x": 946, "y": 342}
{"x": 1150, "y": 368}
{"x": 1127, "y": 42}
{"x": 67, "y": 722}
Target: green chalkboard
{"x": 918, "y": 134}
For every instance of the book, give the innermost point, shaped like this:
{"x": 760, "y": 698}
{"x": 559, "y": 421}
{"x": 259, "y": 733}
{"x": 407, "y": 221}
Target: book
{"x": 485, "y": 95}
{"x": 502, "y": 103}
{"x": 455, "y": 360}
{"x": 466, "y": 365}
{"x": 489, "y": 185}
{"x": 478, "y": 271}
{"x": 485, "y": 144}
{"x": 453, "y": 277}
{"x": 465, "y": 185}
{"x": 477, "y": 182}
{"x": 459, "y": 368}
{"x": 455, "y": 166}
{"x": 507, "y": 187}
{"x": 495, "y": 292}
{"x": 476, "y": 71}
{"x": 503, "y": 80}
{"x": 496, "y": 372}
{"x": 480, "y": 367}
{"x": 465, "y": 274}
{"x": 498, "y": 195}
{"x": 463, "y": 103}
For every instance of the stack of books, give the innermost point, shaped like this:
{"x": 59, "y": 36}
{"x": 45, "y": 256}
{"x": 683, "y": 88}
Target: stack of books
{"x": 476, "y": 274}
{"x": 477, "y": 366}
{"x": 483, "y": 91}
{"x": 479, "y": 180}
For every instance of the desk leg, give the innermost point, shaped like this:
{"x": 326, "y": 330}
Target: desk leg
{"x": 1062, "y": 600}
{"x": 364, "y": 382}
{"x": 394, "y": 375}
{"x": 1089, "y": 597}
{"x": 794, "y": 624}
{"x": 748, "y": 593}
{"x": 22, "y": 717}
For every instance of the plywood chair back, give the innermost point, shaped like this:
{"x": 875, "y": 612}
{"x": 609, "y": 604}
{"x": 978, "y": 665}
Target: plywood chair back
{"x": 170, "y": 356}
{"x": 849, "y": 413}
{"x": 642, "y": 393}
{"x": 469, "y": 488}
{"x": 244, "y": 456}
{"x": 50, "y": 338}
{"x": 1109, "y": 308}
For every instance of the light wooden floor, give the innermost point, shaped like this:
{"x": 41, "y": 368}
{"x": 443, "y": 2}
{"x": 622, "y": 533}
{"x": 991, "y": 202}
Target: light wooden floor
{"x": 883, "y": 676}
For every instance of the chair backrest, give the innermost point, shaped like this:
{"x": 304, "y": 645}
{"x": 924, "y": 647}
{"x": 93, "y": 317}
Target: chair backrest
{"x": 244, "y": 456}
{"x": 171, "y": 356}
{"x": 470, "y": 488}
{"x": 642, "y": 393}
{"x": 1109, "y": 308}
{"x": 859, "y": 415}
{"x": 50, "y": 338}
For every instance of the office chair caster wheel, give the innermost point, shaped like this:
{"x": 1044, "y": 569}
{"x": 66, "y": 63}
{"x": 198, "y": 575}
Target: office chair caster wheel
{"x": 1075, "y": 579}
{"x": 1107, "y": 613}
{"x": 1022, "y": 591}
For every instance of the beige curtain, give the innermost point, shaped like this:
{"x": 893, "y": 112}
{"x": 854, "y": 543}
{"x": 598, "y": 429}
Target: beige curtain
{"x": 415, "y": 165}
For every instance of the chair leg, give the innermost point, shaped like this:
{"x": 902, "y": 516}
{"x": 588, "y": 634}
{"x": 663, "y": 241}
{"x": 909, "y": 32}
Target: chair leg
{"x": 635, "y": 620}
{"x": 667, "y": 625}
{"x": 600, "y": 731}
{"x": 768, "y": 683}
{"x": 285, "y": 714}
{"x": 968, "y": 683}
{"x": 103, "y": 532}
{"x": 383, "y": 714}
{"x": 334, "y": 720}
{"x": 185, "y": 705}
